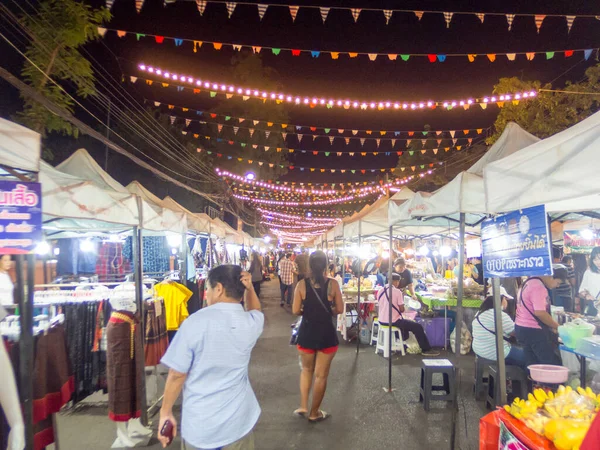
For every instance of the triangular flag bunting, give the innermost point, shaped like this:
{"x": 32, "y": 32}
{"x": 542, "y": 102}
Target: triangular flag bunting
{"x": 362, "y": 141}
{"x": 570, "y": 20}
{"x": 251, "y": 130}
{"x": 187, "y": 122}
{"x": 408, "y": 141}
{"x": 509, "y": 19}
{"x": 419, "y": 14}
{"x": 300, "y": 137}
{"x": 138, "y": 5}
{"x": 230, "y": 8}
{"x": 235, "y": 130}
{"x": 201, "y": 4}
{"x": 255, "y": 122}
{"x": 347, "y": 140}
{"x": 132, "y": 79}
{"x": 355, "y": 13}
{"x": 331, "y": 138}
{"x": 387, "y": 13}
{"x": 220, "y": 127}
{"x": 284, "y": 135}
{"x": 293, "y": 12}
{"x": 372, "y": 56}
{"x": 267, "y": 133}
{"x": 452, "y": 133}
{"x": 122, "y": 34}
{"x": 172, "y": 119}
{"x": 511, "y": 56}
{"x": 454, "y": 141}
{"x": 481, "y": 16}
{"x": 378, "y": 142}
{"x": 101, "y": 31}
{"x": 530, "y": 56}
{"x": 109, "y": 4}
{"x": 262, "y": 9}
{"x": 539, "y": 18}
{"x": 471, "y": 57}
{"x": 448, "y": 18}
{"x": 491, "y": 57}
{"x": 393, "y": 142}
{"x": 156, "y": 103}
{"x": 423, "y": 151}
{"x": 479, "y": 130}
{"x": 354, "y": 132}
{"x": 435, "y": 150}
{"x": 324, "y": 13}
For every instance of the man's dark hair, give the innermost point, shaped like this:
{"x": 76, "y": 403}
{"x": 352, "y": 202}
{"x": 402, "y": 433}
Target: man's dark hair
{"x": 400, "y": 262}
{"x": 567, "y": 259}
{"x": 560, "y": 274}
{"x": 288, "y": 255}
{"x": 229, "y": 277}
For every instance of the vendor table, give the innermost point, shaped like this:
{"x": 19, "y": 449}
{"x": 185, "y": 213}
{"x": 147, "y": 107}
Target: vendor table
{"x": 350, "y": 305}
{"x": 433, "y": 302}
{"x": 582, "y": 358}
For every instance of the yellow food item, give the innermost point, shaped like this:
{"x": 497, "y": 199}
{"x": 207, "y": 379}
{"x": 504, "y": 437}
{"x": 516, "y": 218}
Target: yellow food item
{"x": 571, "y": 435}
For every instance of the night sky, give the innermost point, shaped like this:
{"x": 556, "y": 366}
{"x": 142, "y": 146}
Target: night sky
{"x": 357, "y": 78}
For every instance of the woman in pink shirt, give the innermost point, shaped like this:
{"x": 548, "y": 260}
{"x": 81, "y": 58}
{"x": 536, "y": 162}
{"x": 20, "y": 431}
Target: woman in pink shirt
{"x": 535, "y": 328}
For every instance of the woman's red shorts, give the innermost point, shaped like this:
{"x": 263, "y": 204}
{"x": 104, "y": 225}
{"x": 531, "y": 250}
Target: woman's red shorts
{"x": 310, "y": 351}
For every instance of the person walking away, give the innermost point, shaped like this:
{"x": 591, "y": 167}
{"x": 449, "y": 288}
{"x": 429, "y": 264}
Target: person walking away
{"x": 398, "y": 320}
{"x": 287, "y": 269}
{"x": 536, "y": 330}
{"x": 317, "y": 299}
{"x": 484, "y": 333}
{"x": 209, "y": 360}
{"x": 590, "y": 284}
{"x": 256, "y": 270}
{"x": 302, "y": 265}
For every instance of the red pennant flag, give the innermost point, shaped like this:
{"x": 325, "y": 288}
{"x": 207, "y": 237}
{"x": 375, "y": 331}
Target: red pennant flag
{"x": 568, "y": 53}
{"x": 295, "y": 52}
{"x": 159, "y": 39}
{"x": 432, "y": 58}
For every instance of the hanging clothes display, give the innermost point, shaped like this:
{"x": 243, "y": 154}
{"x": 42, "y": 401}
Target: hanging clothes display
{"x": 72, "y": 260}
{"x": 88, "y": 359}
{"x": 156, "y": 253}
{"x": 156, "y": 338}
{"x": 176, "y": 297}
{"x": 124, "y": 365}
{"x": 53, "y": 383}
{"x": 110, "y": 265}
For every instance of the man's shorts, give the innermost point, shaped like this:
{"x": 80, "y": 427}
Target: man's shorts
{"x": 245, "y": 443}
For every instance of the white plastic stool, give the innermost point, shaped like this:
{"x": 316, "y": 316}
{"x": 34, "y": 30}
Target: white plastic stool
{"x": 383, "y": 341}
{"x": 374, "y": 331}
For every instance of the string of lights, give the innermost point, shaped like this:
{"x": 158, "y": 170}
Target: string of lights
{"x": 309, "y": 214}
{"x": 188, "y": 82}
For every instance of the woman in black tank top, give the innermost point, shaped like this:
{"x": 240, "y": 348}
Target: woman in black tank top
{"x": 318, "y": 300}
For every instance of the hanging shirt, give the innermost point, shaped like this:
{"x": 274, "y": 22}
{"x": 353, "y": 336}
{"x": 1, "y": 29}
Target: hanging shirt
{"x": 6, "y": 289}
{"x": 176, "y": 297}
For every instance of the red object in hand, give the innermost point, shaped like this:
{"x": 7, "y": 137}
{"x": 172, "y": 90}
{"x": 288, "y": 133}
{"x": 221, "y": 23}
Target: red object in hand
{"x": 167, "y": 431}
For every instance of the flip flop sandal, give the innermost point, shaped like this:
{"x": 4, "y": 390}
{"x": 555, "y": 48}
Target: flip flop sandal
{"x": 324, "y": 416}
{"x": 300, "y": 413}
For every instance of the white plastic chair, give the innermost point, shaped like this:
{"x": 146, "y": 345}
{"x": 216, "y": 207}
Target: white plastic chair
{"x": 383, "y": 341}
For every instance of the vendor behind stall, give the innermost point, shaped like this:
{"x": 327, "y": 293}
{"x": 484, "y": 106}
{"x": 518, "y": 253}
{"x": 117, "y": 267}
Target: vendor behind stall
{"x": 590, "y": 285}
{"x": 535, "y": 328}
{"x": 398, "y": 320}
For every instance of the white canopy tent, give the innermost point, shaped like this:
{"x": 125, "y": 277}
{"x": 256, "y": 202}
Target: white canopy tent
{"x": 560, "y": 172}
{"x": 81, "y": 164}
{"x": 20, "y": 147}
{"x": 194, "y": 222}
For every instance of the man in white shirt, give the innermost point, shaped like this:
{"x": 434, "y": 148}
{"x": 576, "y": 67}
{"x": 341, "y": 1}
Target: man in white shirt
{"x": 209, "y": 360}
{"x": 398, "y": 321}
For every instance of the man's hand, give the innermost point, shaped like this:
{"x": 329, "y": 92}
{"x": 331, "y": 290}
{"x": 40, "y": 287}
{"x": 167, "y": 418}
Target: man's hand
{"x": 164, "y": 440}
{"x": 246, "y": 280}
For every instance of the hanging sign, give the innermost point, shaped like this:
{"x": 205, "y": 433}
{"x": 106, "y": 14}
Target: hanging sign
{"x": 517, "y": 244}
{"x": 20, "y": 217}
{"x": 581, "y": 241}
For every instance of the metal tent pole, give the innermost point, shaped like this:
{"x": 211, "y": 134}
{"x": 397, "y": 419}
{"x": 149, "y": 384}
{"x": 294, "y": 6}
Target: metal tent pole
{"x": 499, "y": 340}
{"x": 390, "y": 300}
{"x": 26, "y": 353}
{"x": 359, "y": 276}
{"x": 139, "y": 300}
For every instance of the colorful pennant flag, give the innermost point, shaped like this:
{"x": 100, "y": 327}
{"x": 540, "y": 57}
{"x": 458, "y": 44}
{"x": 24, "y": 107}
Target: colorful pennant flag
{"x": 539, "y": 18}
{"x": 201, "y": 5}
{"x": 138, "y": 5}
{"x": 448, "y": 18}
{"x": 324, "y": 12}
{"x": 481, "y": 17}
{"x": 355, "y": 13}
{"x": 419, "y": 14}
{"x": 109, "y": 4}
{"x": 230, "y": 8}
{"x": 294, "y": 12}
{"x": 387, "y": 13}
{"x": 262, "y": 9}
{"x": 570, "y": 20}
{"x": 509, "y": 19}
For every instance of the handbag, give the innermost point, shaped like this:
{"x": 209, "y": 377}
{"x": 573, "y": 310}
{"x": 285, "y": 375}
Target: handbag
{"x": 295, "y": 329}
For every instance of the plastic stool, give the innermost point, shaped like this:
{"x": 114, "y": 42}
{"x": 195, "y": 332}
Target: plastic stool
{"x": 513, "y": 373}
{"x": 374, "y": 331}
{"x": 482, "y": 366}
{"x": 430, "y": 367}
{"x": 383, "y": 341}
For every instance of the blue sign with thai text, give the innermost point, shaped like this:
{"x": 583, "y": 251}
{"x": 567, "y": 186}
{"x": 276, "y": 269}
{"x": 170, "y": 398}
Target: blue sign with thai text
{"x": 20, "y": 217}
{"x": 517, "y": 244}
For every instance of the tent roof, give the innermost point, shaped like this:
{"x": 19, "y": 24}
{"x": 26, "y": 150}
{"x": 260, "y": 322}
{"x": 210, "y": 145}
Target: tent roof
{"x": 20, "y": 147}
{"x": 194, "y": 221}
{"x": 82, "y": 164}
{"x": 512, "y": 139}
{"x": 560, "y": 172}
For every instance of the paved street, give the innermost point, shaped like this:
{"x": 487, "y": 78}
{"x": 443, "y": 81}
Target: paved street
{"x": 364, "y": 416}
